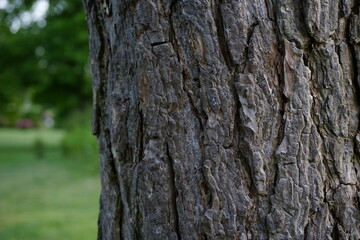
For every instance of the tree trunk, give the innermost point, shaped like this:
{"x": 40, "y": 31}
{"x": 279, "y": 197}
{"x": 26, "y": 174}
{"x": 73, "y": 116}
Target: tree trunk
{"x": 227, "y": 119}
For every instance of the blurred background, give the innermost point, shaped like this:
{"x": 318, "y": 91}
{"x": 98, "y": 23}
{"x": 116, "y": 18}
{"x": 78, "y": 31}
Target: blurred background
{"x": 49, "y": 184}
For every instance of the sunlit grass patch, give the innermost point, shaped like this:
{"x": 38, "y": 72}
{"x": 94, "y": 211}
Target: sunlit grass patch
{"x": 44, "y": 198}
{"x": 26, "y": 138}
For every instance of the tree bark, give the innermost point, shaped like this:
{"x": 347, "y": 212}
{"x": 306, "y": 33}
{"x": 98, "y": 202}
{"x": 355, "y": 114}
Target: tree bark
{"x": 227, "y": 119}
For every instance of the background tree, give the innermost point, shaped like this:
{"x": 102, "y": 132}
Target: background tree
{"x": 227, "y": 119}
{"x": 44, "y": 60}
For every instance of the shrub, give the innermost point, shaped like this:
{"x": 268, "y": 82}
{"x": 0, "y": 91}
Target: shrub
{"x": 80, "y": 145}
{"x": 39, "y": 147}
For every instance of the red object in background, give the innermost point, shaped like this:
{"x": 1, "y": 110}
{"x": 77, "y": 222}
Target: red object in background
{"x": 25, "y": 123}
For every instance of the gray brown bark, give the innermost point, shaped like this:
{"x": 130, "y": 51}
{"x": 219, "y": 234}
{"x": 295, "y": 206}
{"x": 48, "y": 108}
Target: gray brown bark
{"x": 227, "y": 119}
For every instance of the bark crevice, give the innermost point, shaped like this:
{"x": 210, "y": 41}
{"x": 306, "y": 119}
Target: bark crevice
{"x": 173, "y": 193}
{"x": 172, "y": 33}
{"x": 221, "y": 38}
{"x": 200, "y": 116}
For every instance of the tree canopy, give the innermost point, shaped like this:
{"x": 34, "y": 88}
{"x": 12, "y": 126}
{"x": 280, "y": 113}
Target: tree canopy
{"x": 43, "y": 60}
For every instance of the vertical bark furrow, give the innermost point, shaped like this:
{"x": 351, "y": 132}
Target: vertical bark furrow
{"x": 174, "y": 193}
{"x": 172, "y": 34}
{"x": 220, "y": 33}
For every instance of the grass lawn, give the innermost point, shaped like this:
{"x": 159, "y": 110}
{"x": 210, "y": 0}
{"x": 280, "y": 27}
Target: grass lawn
{"x": 45, "y": 198}
{"x": 25, "y": 138}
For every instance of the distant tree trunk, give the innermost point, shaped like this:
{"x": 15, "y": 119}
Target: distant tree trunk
{"x": 227, "y": 119}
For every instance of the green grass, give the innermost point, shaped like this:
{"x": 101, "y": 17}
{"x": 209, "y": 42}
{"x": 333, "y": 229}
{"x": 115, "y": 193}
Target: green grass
{"x": 25, "y": 138}
{"x": 49, "y": 198}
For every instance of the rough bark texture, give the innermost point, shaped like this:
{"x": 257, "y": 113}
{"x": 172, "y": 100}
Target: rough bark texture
{"x": 228, "y": 119}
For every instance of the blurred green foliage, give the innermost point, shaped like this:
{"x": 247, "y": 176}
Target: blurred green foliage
{"x": 39, "y": 148}
{"x": 79, "y": 143}
{"x": 44, "y": 62}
